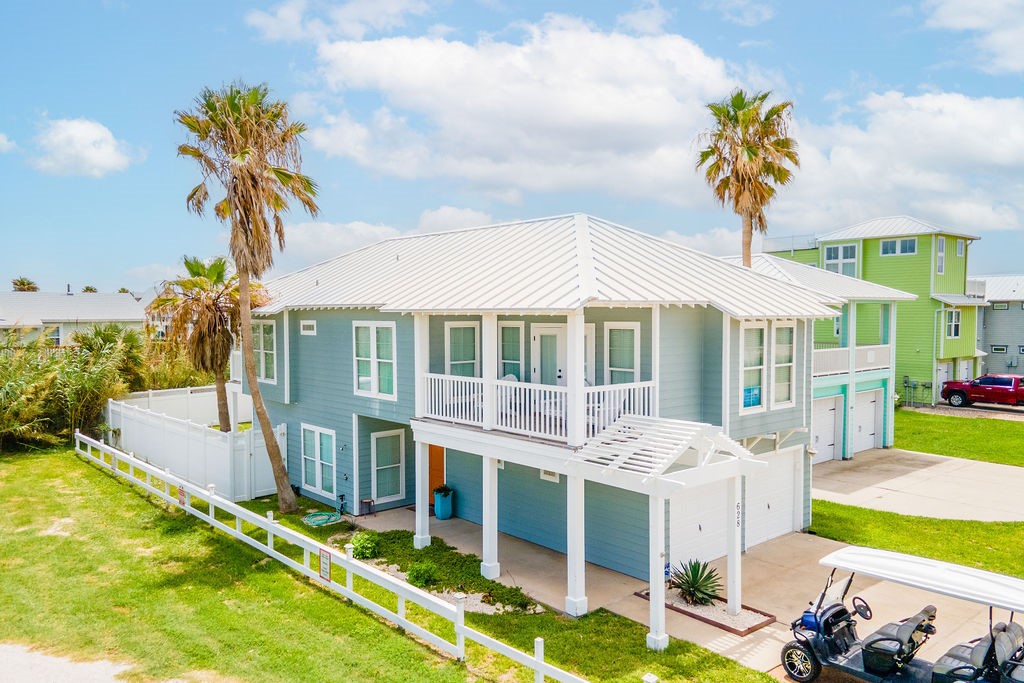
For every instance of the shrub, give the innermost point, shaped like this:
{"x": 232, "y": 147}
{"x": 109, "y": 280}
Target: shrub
{"x": 366, "y": 545}
{"x": 444, "y": 490}
{"x": 424, "y": 574}
{"x": 697, "y": 583}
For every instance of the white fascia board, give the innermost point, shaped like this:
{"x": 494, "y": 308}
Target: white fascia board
{"x": 512, "y": 449}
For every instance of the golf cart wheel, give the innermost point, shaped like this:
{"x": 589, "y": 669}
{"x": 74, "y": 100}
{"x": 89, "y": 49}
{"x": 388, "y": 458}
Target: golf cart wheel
{"x": 799, "y": 662}
{"x": 957, "y": 399}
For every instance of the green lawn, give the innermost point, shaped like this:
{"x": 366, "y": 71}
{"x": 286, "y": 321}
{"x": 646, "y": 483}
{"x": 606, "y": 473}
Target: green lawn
{"x": 995, "y": 546}
{"x": 973, "y": 438}
{"x": 93, "y": 569}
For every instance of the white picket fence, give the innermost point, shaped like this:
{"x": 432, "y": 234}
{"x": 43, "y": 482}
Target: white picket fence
{"x": 235, "y": 462}
{"x": 319, "y": 562}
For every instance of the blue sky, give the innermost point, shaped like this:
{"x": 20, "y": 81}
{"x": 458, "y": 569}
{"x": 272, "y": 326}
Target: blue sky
{"x": 427, "y": 116}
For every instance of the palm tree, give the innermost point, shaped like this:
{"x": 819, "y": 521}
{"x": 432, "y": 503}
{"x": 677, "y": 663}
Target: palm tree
{"x": 204, "y": 318}
{"x": 89, "y": 289}
{"x": 23, "y": 284}
{"x": 244, "y": 141}
{"x": 746, "y": 157}
{"x": 123, "y": 290}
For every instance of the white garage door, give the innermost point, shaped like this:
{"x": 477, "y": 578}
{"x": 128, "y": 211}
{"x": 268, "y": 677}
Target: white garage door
{"x": 823, "y": 428}
{"x": 772, "y": 497}
{"x": 697, "y": 522}
{"x": 867, "y": 422}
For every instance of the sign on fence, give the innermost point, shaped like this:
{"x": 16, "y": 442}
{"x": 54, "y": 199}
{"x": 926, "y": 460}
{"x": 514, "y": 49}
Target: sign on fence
{"x": 325, "y": 564}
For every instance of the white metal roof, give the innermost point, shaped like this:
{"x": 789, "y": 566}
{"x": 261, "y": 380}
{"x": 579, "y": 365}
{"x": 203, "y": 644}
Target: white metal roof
{"x": 35, "y": 309}
{"x": 890, "y": 226}
{"x": 1003, "y": 287}
{"x": 960, "y": 300}
{"x": 836, "y": 288}
{"x": 944, "y": 578}
{"x": 551, "y": 264}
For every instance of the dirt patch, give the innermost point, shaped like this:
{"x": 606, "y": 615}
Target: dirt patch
{"x": 475, "y": 602}
{"x": 59, "y": 527}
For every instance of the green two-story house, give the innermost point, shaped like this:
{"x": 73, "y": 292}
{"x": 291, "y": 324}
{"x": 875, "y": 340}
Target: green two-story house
{"x": 935, "y": 334}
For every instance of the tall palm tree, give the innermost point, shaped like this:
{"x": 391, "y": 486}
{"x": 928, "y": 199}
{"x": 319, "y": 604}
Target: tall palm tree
{"x": 746, "y": 156}
{"x": 243, "y": 140}
{"x": 89, "y": 289}
{"x": 204, "y": 317}
{"x": 23, "y": 284}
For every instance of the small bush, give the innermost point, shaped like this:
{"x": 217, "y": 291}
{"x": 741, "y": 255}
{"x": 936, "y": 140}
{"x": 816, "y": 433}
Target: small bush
{"x": 366, "y": 545}
{"x": 697, "y": 583}
{"x": 424, "y": 574}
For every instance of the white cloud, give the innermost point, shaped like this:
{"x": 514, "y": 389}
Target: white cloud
{"x": 81, "y": 147}
{"x": 285, "y": 22}
{"x": 315, "y": 241}
{"x": 997, "y": 25}
{"x": 742, "y": 12}
{"x": 648, "y": 18}
{"x": 153, "y": 274}
{"x": 452, "y": 218}
{"x": 717, "y": 241}
{"x": 355, "y": 19}
{"x": 6, "y": 144}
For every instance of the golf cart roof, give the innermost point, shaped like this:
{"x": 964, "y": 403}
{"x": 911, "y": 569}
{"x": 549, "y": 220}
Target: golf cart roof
{"x": 944, "y": 578}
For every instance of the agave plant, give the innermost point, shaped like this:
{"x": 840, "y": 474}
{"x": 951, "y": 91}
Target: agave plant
{"x": 698, "y": 584}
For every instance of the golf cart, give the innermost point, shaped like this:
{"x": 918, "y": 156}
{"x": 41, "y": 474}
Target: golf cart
{"x": 826, "y": 634}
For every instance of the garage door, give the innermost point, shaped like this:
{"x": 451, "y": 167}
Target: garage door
{"x": 823, "y": 428}
{"x": 772, "y": 497}
{"x": 867, "y": 422}
{"x": 697, "y": 523}
{"x": 966, "y": 369}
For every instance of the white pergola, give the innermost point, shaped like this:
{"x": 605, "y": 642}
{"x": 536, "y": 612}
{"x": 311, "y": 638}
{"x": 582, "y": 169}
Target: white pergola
{"x": 656, "y": 457}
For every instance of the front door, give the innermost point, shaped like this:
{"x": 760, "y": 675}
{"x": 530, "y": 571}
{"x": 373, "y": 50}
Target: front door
{"x": 548, "y": 354}
{"x": 436, "y": 466}
{"x": 966, "y": 369}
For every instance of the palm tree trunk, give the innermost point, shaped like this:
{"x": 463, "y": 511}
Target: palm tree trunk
{"x": 285, "y": 495}
{"x": 748, "y": 236}
{"x": 223, "y": 416}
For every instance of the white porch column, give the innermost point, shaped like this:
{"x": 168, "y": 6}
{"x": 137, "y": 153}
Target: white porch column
{"x": 890, "y": 437}
{"x": 657, "y": 639}
{"x": 489, "y": 568}
{"x": 575, "y": 401}
{"x": 851, "y": 390}
{"x": 575, "y": 550}
{"x": 421, "y": 359}
{"x": 489, "y": 365}
{"x": 734, "y": 547}
{"x": 421, "y": 539}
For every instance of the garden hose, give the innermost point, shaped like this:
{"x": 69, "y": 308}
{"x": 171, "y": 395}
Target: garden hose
{"x": 321, "y": 518}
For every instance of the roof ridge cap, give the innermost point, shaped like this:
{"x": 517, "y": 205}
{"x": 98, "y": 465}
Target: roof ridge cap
{"x": 584, "y": 258}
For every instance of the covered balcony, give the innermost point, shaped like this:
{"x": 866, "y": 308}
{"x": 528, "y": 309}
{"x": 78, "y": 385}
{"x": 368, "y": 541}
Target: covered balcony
{"x": 859, "y": 346}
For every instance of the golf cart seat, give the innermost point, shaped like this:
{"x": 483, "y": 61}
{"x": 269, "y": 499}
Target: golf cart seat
{"x": 967, "y": 661}
{"x": 895, "y": 644}
{"x": 1008, "y": 658}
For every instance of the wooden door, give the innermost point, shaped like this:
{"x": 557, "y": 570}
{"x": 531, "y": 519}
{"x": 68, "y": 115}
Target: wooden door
{"x": 436, "y": 467}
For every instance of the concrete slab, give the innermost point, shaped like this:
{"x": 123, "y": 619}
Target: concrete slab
{"x": 911, "y": 483}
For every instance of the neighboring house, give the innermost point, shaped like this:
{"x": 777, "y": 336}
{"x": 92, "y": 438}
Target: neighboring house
{"x": 854, "y": 370}
{"x": 61, "y": 315}
{"x": 936, "y": 334}
{"x": 1001, "y": 330}
{"x": 585, "y": 387}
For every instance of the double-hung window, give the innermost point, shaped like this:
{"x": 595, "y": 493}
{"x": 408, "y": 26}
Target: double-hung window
{"x": 374, "y": 344}
{"x": 902, "y": 246}
{"x": 940, "y": 256}
{"x": 318, "y": 460}
{"x": 960, "y": 247}
{"x": 753, "y": 378}
{"x": 462, "y": 348}
{"x": 782, "y": 364}
{"x": 622, "y": 353}
{"x": 842, "y": 259}
{"x": 510, "y": 360}
{"x": 53, "y": 335}
{"x": 387, "y": 471}
{"x": 263, "y": 345}
{"x": 953, "y": 324}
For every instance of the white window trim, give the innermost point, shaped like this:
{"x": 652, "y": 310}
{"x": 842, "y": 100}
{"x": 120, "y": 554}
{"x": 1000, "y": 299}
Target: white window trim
{"x": 1000, "y": 306}
{"x": 898, "y": 242}
{"x": 763, "y": 406}
{"x": 307, "y": 328}
{"x": 950, "y": 323}
{"x": 448, "y": 325}
{"x": 999, "y": 348}
{"x": 56, "y": 334}
{"x": 590, "y": 334}
{"x": 260, "y": 368}
{"x": 401, "y": 465}
{"x": 522, "y": 347}
{"x": 960, "y": 246}
{"x": 940, "y": 255}
{"x": 837, "y": 325}
{"x": 302, "y": 457}
{"x": 1020, "y": 349}
{"x": 840, "y": 260}
{"x": 608, "y": 327}
{"x": 550, "y": 475}
{"x": 792, "y": 364}
{"x": 374, "y": 370}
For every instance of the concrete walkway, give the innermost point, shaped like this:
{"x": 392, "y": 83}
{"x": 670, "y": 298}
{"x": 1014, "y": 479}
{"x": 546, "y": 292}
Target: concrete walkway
{"x": 922, "y": 484}
{"x": 20, "y": 664}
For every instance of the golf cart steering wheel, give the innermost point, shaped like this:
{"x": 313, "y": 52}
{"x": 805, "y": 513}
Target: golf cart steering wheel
{"x": 861, "y": 607}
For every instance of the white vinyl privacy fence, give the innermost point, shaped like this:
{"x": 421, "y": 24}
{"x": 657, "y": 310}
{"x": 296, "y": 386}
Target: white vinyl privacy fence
{"x": 196, "y": 404}
{"x": 323, "y": 564}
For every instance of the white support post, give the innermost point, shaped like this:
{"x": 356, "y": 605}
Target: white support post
{"x": 656, "y": 358}
{"x": 489, "y": 365}
{"x": 421, "y": 359}
{"x": 460, "y": 626}
{"x": 576, "y": 570}
{"x": 422, "y": 537}
{"x": 734, "y": 528}
{"x": 890, "y": 437}
{"x": 851, "y": 391}
{"x": 287, "y": 374}
{"x": 575, "y": 415}
{"x": 489, "y": 567}
{"x": 657, "y": 639}
{"x": 538, "y": 656}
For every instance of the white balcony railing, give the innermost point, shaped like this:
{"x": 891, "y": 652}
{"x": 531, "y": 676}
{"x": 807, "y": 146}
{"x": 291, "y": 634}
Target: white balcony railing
{"x": 531, "y": 409}
{"x": 459, "y": 399}
{"x": 606, "y": 403}
{"x": 837, "y": 361}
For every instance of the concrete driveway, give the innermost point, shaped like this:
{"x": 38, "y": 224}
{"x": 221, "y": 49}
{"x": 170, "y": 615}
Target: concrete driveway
{"x": 922, "y": 484}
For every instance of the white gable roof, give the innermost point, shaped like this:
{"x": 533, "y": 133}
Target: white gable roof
{"x": 35, "y": 309}
{"x": 836, "y": 288}
{"x": 551, "y": 264}
{"x": 1003, "y": 287}
{"x": 890, "y": 226}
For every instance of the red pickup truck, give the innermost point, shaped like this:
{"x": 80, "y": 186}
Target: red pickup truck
{"x": 1006, "y": 389}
